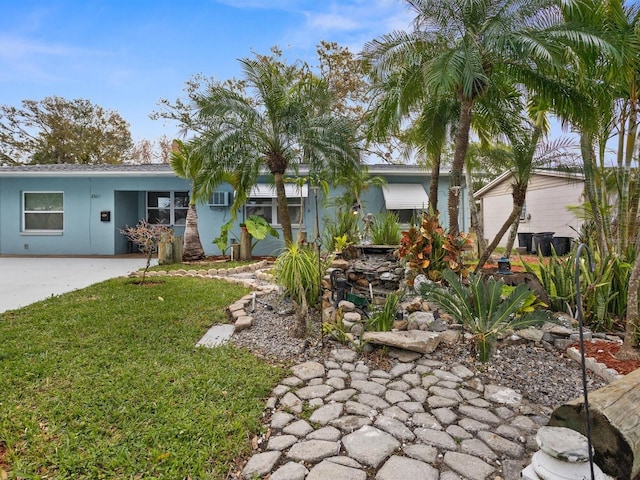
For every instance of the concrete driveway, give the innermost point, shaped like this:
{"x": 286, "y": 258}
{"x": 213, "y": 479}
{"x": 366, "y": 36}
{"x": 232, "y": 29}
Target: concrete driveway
{"x": 24, "y": 280}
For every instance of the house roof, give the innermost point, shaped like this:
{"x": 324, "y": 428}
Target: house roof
{"x": 158, "y": 169}
{"x": 72, "y": 170}
{"x": 508, "y": 174}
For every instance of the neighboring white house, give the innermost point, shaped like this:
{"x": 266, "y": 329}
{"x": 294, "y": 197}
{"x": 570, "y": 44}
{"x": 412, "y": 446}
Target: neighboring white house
{"x": 549, "y": 193}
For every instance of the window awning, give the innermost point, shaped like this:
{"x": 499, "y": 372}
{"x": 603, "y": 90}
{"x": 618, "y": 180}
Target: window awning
{"x": 405, "y": 196}
{"x": 264, "y": 190}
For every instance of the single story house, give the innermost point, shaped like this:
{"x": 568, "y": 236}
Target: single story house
{"x": 549, "y": 194}
{"x": 80, "y": 209}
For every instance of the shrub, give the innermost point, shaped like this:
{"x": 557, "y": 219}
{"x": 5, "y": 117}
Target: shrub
{"x": 482, "y": 309}
{"x": 147, "y": 237}
{"x": 299, "y": 271}
{"x": 430, "y": 250}
{"x": 345, "y": 223}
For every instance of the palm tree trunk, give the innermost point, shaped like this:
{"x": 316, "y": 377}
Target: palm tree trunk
{"x": 511, "y": 239}
{"x": 628, "y": 350}
{"x": 283, "y": 210}
{"x": 519, "y": 195}
{"x": 590, "y": 187}
{"x": 476, "y": 219}
{"x": 457, "y": 167}
{"x": 192, "y": 247}
{"x": 434, "y": 181}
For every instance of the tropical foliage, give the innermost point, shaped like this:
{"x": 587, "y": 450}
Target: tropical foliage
{"x": 280, "y": 119}
{"x": 382, "y": 319}
{"x": 385, "y": 229}
{"x": 429, "y": 250}
{"x": 299, "y": 270}
{"x": 478, "y": 53}
{"x": 187, "y": 164}
{"x": 482, "y": 308}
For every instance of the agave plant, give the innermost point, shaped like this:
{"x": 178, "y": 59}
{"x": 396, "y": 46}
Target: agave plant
{"x": 482, "y": 309}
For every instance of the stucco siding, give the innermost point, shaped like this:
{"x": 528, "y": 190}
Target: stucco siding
{"x": 120, "y": 193}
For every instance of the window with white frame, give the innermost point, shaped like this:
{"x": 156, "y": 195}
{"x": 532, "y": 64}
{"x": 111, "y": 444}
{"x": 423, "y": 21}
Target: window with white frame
{"x": 42, "y": 211}
{"x": 262, "y": 202}
{"x": 167, "y": 208}
{"x": 267, "y": 208}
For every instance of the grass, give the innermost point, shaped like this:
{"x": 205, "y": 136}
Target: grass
{"x": 204, "y": 265}
{"x": 105, "y": 382}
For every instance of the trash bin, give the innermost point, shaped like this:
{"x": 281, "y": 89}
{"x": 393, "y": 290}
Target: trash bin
{"x": 562, "y": 245}
{"x": 542, "y": 243}
{"x": 524, "y": 240}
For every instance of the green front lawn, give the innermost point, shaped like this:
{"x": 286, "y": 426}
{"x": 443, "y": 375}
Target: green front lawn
{"x": 105, "y": 382}
{"x": 204, "y": 265}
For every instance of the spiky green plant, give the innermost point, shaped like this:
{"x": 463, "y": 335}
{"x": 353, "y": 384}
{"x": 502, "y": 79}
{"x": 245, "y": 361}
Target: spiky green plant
{"x": 386, "y": 229}
{"x": 382, "y": 320}
{"x": 482, "y": 309}
{"x": 299, "y": 271}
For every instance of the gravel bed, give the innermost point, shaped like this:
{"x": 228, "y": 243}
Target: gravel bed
{"x": 545, "y": 377}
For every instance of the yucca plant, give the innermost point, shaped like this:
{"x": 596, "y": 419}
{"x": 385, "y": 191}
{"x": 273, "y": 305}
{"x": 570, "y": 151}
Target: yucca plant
{"x": 557, "y": 278}
{"x": 299, "y": 271}
{"x": 482, "y": 309}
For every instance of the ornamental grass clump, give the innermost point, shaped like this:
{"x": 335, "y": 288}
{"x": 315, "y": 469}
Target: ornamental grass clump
{"x": 482, "y": 308}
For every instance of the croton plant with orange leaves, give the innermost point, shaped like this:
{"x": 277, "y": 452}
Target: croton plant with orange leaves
{"x": 429, "y": 249}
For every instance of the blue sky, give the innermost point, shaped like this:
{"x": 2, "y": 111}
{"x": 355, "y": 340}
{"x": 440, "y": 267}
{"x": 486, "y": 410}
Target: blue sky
{"x": 125, "y": 55}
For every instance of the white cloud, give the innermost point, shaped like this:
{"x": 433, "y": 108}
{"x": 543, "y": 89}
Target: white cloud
{"x": 16, "y": 47}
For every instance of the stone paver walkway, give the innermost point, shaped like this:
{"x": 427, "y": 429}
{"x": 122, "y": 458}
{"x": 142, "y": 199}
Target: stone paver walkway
{"x": 422, "y": 420}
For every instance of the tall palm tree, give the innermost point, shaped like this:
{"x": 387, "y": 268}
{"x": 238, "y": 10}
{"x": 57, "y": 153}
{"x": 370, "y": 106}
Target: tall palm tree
{"x": 187, "y": 163}
{"x": 477, "y": 48}
{"x": 282, "y": 123}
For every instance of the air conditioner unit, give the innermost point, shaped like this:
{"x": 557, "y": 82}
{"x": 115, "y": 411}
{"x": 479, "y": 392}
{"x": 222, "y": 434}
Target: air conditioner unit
{"x": 219, "y": 199}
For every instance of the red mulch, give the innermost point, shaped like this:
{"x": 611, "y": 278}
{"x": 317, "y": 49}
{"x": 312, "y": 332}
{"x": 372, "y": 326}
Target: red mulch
{"x": 604, "y": 352}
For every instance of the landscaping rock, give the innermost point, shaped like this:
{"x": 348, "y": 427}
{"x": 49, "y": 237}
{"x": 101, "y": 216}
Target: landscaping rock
{"x": 414, "y": 340}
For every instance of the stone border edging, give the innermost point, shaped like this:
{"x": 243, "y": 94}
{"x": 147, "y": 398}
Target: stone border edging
{"x": 238, "y": 309}
{"x": 600, "y": 369}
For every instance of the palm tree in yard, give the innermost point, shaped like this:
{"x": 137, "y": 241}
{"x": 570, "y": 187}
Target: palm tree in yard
{"x": 471, "y": 49}
{"x": 282, "y": 122}
{"x": 187, "y": 163}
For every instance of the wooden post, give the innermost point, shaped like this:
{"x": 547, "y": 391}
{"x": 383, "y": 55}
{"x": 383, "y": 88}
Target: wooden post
{"x": 614, "y": 411}
{"x": 177, "y": 249}
{"x": 245, "y": 244}
{"x": 165, "y": 253}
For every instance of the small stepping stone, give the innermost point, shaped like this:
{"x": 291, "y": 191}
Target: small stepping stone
{"x": 402, "y": 468}
{"x": 260, "y": 464}
{"x": 327, "y": 469}
{"x": 216, "y": 336}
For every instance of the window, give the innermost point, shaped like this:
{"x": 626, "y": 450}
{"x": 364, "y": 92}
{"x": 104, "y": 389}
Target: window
{"x": 263, "y": 202}
{"x": 42, "y": 211}
{"x": 408, "y": 200}
{"x": 267, "y": 208}
{"x": 410, "y": 217}
{"x": 167, "y": 208}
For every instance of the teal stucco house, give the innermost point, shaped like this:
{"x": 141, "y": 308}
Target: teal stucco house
{"x": 80, "y": 209}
